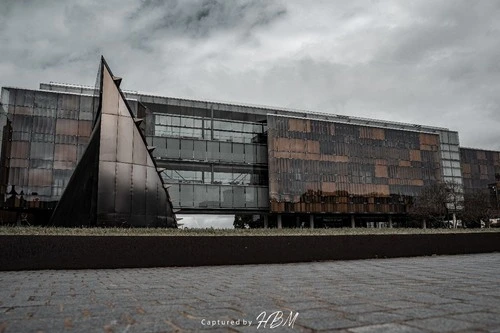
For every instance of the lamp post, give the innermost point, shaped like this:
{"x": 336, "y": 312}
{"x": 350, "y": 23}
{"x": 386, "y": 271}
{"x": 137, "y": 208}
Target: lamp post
{"x": 494, "y": 187}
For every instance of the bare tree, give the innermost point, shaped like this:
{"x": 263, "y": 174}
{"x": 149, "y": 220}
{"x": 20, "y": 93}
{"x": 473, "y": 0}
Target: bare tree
{"x": 431, "y": 204}
{"x": 477, "y": 208}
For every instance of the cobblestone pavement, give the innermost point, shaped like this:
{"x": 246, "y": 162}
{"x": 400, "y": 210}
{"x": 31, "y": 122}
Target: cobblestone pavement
{"x": 425, "y": 294}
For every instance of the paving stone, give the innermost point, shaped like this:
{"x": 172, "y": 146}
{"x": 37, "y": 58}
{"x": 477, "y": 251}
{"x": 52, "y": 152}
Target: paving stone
{"x": 442, "y": 324}
{"x": 386, "y": 328}
{"x": 377, "y": 317}
{"x": 327, "y": 323}
{"x": 425, "y": 294}
{"x": 484, "y": 318}
{"x": 420, "y": 312}
{"x": 360, "y": 308}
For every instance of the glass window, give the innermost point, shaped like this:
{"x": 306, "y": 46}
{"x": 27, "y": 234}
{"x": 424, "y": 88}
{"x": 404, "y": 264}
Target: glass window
{"x": 22, "y": 123}
{"x": 186, "y": 195}
{"x": 40, "y": 177}
{"x": 213, "y": 196}
{"x": 65, "y": 152}
{"x": 227, "y": 196}
{"x": 176, "y": 121}
{"x": 68, "y": 102}
{"x": 237, "y": 127}
{"x": 173, "y": 148}
{"x": 159, "y": 142}
{"x": 456, "y": 172}
{"x": 213, "y": 151}
{"x": 198, "y": 123}
{"x": 66, "y": 139}
{"x": 46, "y": 100}
{"x": 161, "y": 120}
{"x": 187, "y": 122}
{"x": 45, "y": 112}
{"x": 43, "y": 124}
{"x": 238, "y": 152}
{"x": 453, "y": 138}
{"x": 220, "y": 125}
{"x": 187, "y": 149}
{"x": 225, "y": 151}
{"x": 67, "y": 127}
{"x": 250, "y": 153}
{"x": 261, "y": 154}
{"x": 42, "y": 150}
{"x": 444, "y": 137}
{"x": 200, "y": 150}
{"x": 70, "y": 114}
{"x": 86, "y": 104}
{"x": 41, "y": 164}
{"x": 445, "y": 155}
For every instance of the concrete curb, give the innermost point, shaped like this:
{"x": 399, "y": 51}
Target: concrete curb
{"x": 91, "y": 252}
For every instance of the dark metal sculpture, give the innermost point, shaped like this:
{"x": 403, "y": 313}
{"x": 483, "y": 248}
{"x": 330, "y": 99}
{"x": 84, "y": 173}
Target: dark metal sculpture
{"x": 117, "y": 182}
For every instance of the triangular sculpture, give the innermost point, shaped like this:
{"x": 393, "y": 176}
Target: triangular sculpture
{"x": 116, "y": 182}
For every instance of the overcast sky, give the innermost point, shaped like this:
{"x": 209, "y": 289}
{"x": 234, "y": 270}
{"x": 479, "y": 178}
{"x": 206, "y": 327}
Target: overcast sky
{"x": 427, "y": 62}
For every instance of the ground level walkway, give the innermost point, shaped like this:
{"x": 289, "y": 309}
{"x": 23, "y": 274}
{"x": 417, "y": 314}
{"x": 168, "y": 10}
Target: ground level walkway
{"x": 424, "y": 294}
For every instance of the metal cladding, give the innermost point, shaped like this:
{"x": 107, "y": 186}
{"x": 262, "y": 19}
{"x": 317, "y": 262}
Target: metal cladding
{"x": 116, "y": 183}
{"x": 320, "y": 166}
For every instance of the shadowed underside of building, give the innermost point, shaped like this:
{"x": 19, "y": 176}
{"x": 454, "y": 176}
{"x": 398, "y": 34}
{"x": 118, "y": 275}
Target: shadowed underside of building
{"x": 291, "y": 167}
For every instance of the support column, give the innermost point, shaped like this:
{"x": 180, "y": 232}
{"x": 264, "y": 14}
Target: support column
{"x": 454, "y": 220}
{"x": 311, "y": 221}
{"x": 279, "y": 222}
{"x": 353, "y": 222}
{"x": 212, "y": 122}
{"x": 266, "y": 222}
{"x": 424, "y": 224}
{"x": 390, "y": 221}
{"x": 297, "y": 222}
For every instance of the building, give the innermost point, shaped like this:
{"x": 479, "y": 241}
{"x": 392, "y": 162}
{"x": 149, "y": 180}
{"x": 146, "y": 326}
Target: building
{"x": 481, "y": 172}
{"x": 293, "y": 168}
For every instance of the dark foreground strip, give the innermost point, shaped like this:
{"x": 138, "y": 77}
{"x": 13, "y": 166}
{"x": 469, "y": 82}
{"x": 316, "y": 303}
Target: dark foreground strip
{"x": 90, "y": 252}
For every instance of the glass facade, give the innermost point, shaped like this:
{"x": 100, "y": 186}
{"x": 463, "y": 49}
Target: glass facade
{"x": 320, "y": 166}
{"x": 212, "y": 159}
{"x": 480, "y": 169}
{"x": 220, "y": 157}
{"x": 450, "y": 156}
{"x": 49, "y": 134}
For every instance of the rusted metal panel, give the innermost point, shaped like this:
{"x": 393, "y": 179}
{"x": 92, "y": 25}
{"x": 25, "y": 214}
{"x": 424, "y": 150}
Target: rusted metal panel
{"x": 334, "y": 165}
{"x": 299, "y": 125}
{"x": 371, "y": 133}
{"x": 415, "y": 155}
{"x": 405, "y": 163}
{"x": 381, "y": 171}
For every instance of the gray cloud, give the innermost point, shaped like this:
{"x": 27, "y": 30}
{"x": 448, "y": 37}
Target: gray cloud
{"x": 430, "y": 62}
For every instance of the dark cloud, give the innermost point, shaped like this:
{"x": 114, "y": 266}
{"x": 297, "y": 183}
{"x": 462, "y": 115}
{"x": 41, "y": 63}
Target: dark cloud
{"x": 154, "y": 20}
{"x": 431, "y": 62}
